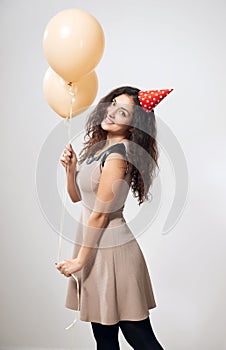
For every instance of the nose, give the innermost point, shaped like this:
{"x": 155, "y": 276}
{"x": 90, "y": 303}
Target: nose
{"x": 111, "y": 111}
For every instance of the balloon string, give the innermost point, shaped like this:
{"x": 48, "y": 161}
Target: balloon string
{"x": 61, "y": 225}
{"x": 68, "y": 125}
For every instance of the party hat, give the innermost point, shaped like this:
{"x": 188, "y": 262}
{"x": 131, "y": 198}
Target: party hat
{"x": 151, "y": 98}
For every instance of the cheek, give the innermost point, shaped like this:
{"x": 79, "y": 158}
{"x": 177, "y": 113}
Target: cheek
{"x": 124, "y": 122}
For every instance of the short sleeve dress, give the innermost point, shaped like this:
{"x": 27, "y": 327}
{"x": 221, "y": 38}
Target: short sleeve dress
{"x": 115, "y": 283}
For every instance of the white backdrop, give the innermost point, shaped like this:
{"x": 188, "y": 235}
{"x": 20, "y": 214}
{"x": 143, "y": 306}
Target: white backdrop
{"x": 149, "y": 44}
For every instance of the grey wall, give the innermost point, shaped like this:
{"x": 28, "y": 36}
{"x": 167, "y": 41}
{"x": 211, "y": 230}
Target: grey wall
{"x": 149, "y": 44}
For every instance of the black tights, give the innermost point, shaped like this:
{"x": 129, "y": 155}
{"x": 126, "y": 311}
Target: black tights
{"x": 139, "y": 334}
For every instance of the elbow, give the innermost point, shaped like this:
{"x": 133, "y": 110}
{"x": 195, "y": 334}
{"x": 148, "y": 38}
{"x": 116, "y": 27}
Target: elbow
{"x": 99, "y": 217}
{"x": 75, "y": 200}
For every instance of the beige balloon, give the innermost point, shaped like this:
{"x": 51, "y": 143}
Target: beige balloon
{"x": 61, "y": 96}
{"x": 73, "y": 43}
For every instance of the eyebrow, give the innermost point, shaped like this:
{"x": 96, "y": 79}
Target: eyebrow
{"x": 122, "y": 107}
{"x": 125, "y": 110}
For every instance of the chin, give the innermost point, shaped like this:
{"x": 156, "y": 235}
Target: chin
{"x": 105, "y": 126}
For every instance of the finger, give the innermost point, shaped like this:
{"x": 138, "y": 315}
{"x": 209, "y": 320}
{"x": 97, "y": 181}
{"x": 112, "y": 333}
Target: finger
{"x": 67, "y": 273}
{"x": 63, "y": 161}
{"x": 60, "y": 264}
{"x": 67, "y": 160}
{"x": 62, "y": 270}
{"x": 70, "y": 150}
{"x": 59, "y": 267}
{"x": 67, "y": 157}
{"x": 66, "y": 153}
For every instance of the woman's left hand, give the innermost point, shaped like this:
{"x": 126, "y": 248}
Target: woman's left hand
{"x": 68, "y": 267}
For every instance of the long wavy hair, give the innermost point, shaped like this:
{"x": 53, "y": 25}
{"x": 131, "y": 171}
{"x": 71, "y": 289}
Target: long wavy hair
{"x": 143, "y": 150}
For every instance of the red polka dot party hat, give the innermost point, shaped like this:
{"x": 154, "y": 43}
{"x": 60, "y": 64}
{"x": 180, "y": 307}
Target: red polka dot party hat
{"x": 151, "y": 98}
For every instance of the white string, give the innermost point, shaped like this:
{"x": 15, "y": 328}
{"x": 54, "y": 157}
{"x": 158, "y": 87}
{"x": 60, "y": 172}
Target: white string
{"x": 61, "y": 225}
{"x": 67, "y": 122}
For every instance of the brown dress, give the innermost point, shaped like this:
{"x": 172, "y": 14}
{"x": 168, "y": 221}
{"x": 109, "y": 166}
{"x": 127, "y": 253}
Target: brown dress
{"x": 114, "y": 284}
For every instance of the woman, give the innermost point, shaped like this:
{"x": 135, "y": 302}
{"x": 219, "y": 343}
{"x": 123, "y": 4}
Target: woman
{"x": 120, "y": 153}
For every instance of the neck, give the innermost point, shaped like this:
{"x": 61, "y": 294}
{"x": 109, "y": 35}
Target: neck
{"x": 111, "y": 140}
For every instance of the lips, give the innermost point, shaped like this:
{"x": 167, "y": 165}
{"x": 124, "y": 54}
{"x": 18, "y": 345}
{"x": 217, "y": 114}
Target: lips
{"x": 108, "y": 121}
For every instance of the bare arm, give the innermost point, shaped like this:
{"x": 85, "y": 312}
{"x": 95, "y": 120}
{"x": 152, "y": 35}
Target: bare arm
{"x": 72, "y": 188}
{"x": 95, "y": 225}
{"x": 109, "y": 186}
{"x": 69, "y": 161}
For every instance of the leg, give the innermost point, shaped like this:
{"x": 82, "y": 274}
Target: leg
{"x": 140, "y": 335}
{"x": 106, "y": 336}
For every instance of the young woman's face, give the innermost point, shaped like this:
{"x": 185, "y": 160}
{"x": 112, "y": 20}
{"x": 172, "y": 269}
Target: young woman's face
{"x": 119, "y": 115}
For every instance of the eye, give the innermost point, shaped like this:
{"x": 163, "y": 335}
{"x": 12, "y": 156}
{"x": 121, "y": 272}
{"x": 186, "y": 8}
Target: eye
{"x": 122, "y": 113}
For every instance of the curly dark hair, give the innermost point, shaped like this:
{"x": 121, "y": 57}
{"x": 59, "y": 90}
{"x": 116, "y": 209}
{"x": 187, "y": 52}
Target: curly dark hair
{"x": 144, "y": 159}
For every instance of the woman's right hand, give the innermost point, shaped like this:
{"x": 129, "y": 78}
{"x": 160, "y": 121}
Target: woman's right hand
{"x": 69, "y": 158}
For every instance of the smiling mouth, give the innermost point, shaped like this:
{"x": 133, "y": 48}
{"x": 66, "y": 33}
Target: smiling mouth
{"x": 108, "y": 121}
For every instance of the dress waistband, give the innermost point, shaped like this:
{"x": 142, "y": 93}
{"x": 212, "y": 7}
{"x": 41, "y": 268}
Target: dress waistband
{"x": 116, "y": 214}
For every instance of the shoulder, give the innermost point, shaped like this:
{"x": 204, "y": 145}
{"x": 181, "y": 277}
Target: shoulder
{"x": 118, "y": 148}
{"x": 116, "y": 152}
